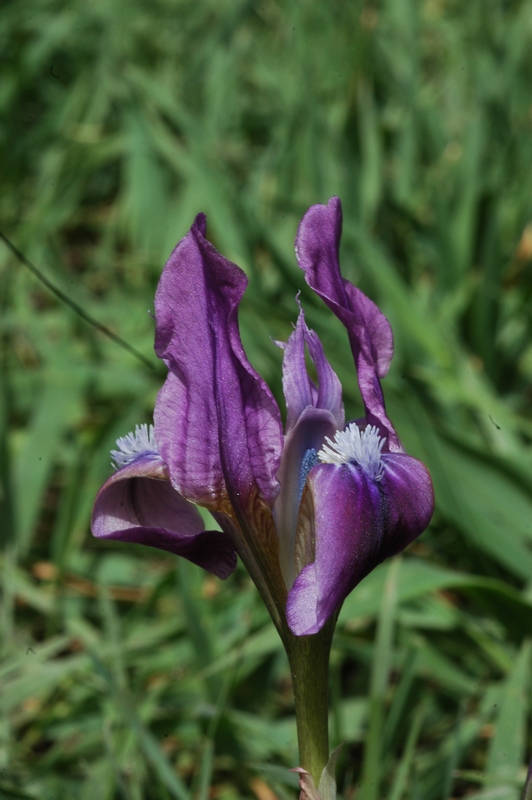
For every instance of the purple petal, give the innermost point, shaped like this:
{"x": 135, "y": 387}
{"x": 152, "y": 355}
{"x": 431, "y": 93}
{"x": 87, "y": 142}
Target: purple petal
{"x": 313, "y": 413}
{"x": 138, "y": 504}
{"x": 303, "y": 440}
{"x": 347, "y": 526}
{"x": 299, "y": 390}
{"x": 370, "y": 335}
{"x": 407, "y": 486}
{"x": 216, "y": 422}
{"x": 356, "y": 523}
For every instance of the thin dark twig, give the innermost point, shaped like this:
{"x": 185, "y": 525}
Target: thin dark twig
{"x": 72, "y": 304}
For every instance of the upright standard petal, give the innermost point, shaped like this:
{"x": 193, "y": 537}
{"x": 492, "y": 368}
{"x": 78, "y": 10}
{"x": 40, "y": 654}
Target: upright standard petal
{"x": 217, "y": 424}
{"x": 313, "y": 412}
{"x": 370, "y": 334}
{"x": 299, "y": 390}
{"x": 138, "y": 504}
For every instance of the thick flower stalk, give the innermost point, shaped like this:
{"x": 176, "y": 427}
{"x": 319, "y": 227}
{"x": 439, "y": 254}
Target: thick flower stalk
{"x": 310, "y": 510}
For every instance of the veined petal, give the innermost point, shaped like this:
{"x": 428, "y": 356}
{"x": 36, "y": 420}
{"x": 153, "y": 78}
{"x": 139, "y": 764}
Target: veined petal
{"x": 299, "y": 390}
{"x": 299, "y": 456}
{"x": 217, "y": 424}
{"x": 138, "y": 504}
{"x": 347, "y": 529}
{"x": 313, "y": 412}
{"x": 409, "y": 500}
{"x": 370, "y": 334}
{"x": 357, "y": 522}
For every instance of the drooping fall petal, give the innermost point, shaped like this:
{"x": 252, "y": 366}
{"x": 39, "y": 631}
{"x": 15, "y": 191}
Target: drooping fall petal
{"x": 356, "y": 520}
{"x": 346, "y": 524}
{"x": 407, "y": 486}
{"x": 138, "y": 504}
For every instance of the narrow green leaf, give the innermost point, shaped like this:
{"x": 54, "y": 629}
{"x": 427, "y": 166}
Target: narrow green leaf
{"x": 398, "y": 789}
{"x": 54, "y": 411}
{"x": 382, "y": 661}
{"x": 206, "y": 769}
{"x": 506, "y": 750}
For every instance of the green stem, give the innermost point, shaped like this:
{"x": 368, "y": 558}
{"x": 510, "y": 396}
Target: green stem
{"x": 309, "y": 665}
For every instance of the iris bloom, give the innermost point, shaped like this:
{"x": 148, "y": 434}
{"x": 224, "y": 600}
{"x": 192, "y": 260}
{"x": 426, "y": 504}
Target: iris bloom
{"x": 310, "y": 511}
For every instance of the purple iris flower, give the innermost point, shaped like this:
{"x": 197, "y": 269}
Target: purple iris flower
{"x": 310, "y": 511}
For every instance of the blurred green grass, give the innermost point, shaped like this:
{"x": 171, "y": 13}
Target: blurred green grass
{"x": 124, "y": 674}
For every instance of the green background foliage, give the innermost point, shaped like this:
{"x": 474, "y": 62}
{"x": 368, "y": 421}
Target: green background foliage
{"x": 125, "y": 674}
